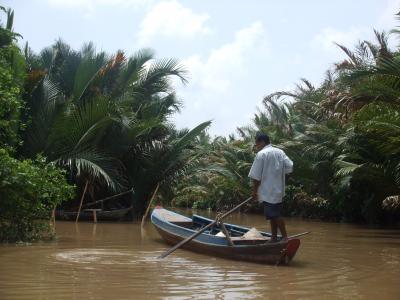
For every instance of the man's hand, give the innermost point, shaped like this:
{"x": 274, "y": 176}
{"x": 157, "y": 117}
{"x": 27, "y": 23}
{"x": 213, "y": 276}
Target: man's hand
{"x": 255, "y": 196}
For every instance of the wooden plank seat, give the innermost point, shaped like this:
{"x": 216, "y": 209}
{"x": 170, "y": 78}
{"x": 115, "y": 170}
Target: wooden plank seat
{"x": 173, "y": 217}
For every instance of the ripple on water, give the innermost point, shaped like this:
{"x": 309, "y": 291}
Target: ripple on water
{"x": 176, "y": 276}
{"x": 98, "y": 256}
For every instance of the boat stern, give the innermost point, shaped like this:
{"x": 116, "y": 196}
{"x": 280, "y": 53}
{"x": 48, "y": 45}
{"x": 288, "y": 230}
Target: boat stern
{"x": 290, "y": 251}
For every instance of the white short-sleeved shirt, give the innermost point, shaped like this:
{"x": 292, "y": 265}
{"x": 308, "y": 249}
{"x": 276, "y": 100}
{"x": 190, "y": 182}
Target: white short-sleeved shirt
{"x": 270, "y": 166}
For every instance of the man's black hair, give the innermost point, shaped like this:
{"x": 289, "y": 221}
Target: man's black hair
{"x": 262, "y": 137}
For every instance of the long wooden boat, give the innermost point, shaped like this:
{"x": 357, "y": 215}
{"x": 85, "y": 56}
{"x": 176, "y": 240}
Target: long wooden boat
{"x": 87, "y": 215}
{"x": 174, "y": 227}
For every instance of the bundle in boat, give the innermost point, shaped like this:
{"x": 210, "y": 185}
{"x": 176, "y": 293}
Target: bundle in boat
{"x": 252, "y": 234}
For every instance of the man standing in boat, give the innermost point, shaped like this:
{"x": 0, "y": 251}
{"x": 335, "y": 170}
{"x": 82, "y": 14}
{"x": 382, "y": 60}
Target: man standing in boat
{"x": 268, "y": 173}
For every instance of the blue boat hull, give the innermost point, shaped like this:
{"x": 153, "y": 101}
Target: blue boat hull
{"x": 174, "y": 227}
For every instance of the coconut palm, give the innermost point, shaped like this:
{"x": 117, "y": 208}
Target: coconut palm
{"x": 161, "y": 161}
{"x": 102, "y": 117}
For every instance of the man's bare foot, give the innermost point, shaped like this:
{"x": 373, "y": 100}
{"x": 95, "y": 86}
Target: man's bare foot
{"x": 284, "y": 239}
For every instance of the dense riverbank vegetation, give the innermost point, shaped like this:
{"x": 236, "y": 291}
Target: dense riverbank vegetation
{"x": 29, "y": 189}
{"x": 100, "y": 124}
{"x": 343, "y": 136}
{"x": 102, "y": 119}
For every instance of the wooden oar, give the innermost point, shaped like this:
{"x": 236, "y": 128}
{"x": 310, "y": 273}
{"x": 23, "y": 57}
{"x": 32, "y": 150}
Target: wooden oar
{"x": 299, "y": 234}
{"x": 188, "y": 239}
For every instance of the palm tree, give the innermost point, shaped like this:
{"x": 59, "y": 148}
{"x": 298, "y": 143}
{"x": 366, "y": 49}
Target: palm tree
{"x": 162, "y": 162}
{"x": 219, "y": 178}
{"x": 106, "y": 118}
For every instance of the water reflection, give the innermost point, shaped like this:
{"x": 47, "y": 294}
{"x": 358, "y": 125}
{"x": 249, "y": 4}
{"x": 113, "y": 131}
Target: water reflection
{"x": 119, "y": 261}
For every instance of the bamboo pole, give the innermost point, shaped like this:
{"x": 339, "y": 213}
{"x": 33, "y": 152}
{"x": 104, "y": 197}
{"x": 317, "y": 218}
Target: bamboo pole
{"x": 108, "y": 198}
{"x": 80, "y": 205}
{"x": 148, "y": 207}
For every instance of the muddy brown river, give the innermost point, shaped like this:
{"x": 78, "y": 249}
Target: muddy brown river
{"x": 118, "y": 261}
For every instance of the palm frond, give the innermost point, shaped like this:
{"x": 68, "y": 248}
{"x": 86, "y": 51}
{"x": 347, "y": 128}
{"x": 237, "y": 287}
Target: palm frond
{"x": 86, "y": 73}
{"x": 132, "y": 70}
{"x": 345, "y": 168}
{"x": 95, "y": 165}
{"x": 155, "y": 79}
{"x": 190, "y": 136}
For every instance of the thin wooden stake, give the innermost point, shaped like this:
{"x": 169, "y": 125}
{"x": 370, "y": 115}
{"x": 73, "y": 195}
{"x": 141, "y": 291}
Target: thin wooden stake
{"x": 148, "y": 207}
{"x": 53, "y": 219}
{"x": 80, "y": 205}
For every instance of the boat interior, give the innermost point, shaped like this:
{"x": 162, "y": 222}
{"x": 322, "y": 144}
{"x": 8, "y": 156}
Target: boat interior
{"x": 239, "y": 235}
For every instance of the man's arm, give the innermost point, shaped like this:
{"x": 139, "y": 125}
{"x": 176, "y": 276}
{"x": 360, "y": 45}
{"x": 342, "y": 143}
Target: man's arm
{"x": 256, "y": 174}
{"x": 256, "y": 184}
{"x": 288, "y": 164}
